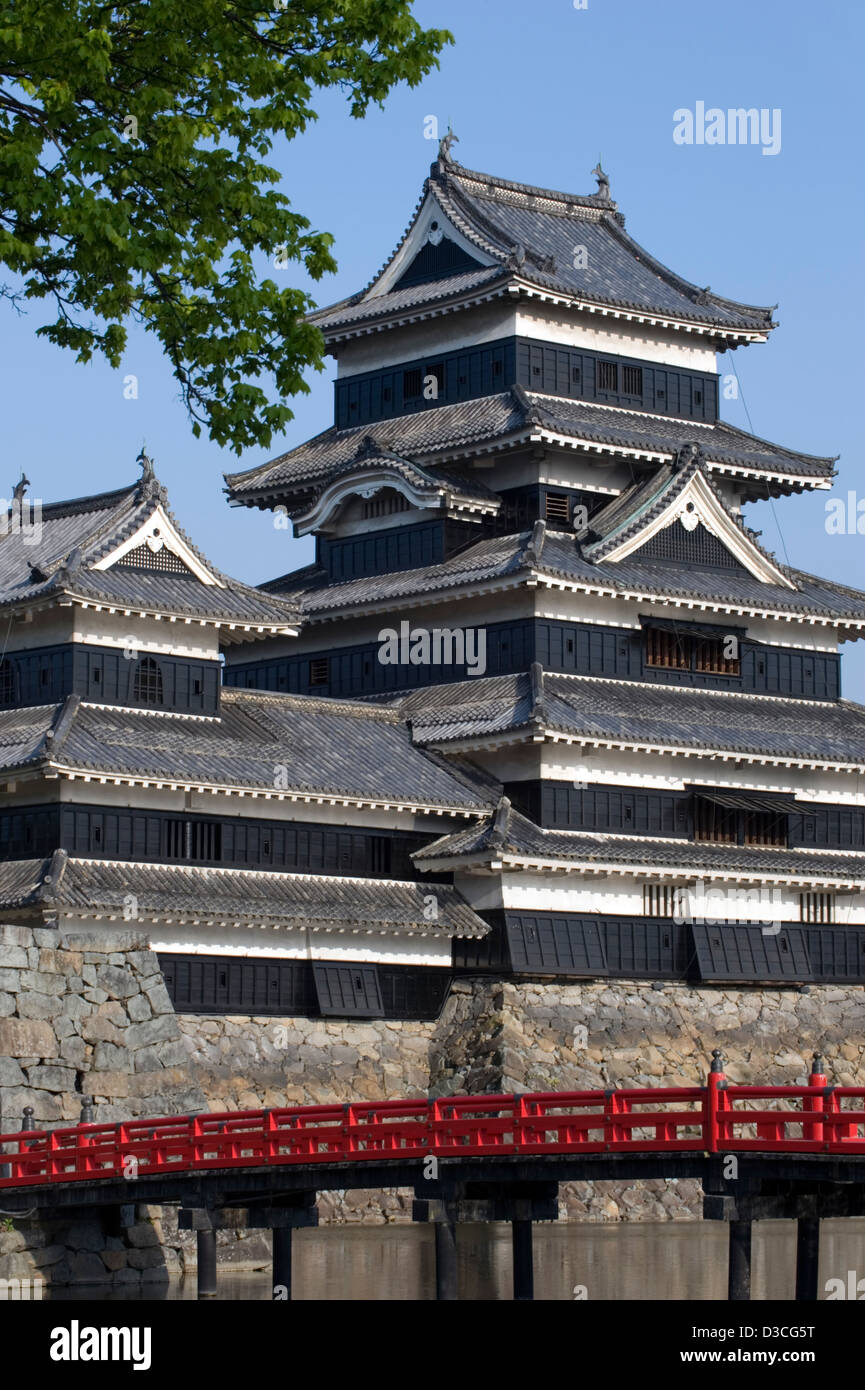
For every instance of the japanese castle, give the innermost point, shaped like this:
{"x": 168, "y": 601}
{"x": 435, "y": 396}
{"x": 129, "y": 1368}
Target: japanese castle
{"x": 543, "y": 705}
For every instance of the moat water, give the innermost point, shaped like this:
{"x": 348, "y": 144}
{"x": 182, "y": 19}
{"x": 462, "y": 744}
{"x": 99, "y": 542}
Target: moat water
{"x": 651, "y": 1260}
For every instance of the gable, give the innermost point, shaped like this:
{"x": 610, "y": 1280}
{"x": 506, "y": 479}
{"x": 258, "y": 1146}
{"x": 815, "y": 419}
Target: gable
{"x": 164, "y": 560}
{"x": 436, "y": 262}
{"x": 696, "y": 547}
{"x": 158, "y": 545}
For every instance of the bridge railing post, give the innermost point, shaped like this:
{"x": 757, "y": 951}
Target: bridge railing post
{"x": 714, "y": 1130}
{"x": 815, "y": 1104}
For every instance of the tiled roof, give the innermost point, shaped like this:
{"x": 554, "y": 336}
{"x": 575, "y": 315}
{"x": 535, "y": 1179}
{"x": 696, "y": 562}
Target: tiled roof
{"x": 630, "y": 712}
{"x": 277, "y": 900}
{"x": 516, "y": 416}
{"x": 261, "y": 741}
{"x": 371, "y": 457}
{"x": 510, "y": 834}
{"x": 419, "y": 437}
{"x": 505, "y": 559}
{"x": 57, "y": 552}
{"x": 356, "y": 309}
{"x": 530, "y": 234}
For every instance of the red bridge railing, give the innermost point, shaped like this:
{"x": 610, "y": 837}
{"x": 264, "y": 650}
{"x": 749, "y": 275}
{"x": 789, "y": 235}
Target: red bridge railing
{"x": 719, "y": 1117}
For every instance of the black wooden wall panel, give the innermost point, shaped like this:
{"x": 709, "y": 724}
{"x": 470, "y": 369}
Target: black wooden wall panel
{"x": 238, "y": 984}
{"x": 733, "y": 951}
{"x": 550, "y": 368}
{"x": 105, "y": 676}
{"x": 579, "y": 648}
{"x": 630, "y": 810}
{"x": 92, "y": 832}
{"x": 559, "y": 945}
{"x": 347, "y": 991}
{"x": 597, "y": 945}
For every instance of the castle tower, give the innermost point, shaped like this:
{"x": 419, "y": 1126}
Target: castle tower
{"x": 529, "y": 541}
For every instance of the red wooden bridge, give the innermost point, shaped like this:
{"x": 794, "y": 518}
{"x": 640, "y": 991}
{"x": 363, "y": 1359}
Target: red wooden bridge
{"x": 799, "y": 1153}
{"x": 716, "y": 1118}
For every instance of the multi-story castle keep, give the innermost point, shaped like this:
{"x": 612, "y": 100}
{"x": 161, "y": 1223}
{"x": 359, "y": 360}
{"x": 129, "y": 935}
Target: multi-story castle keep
{"x": 542, "y": 707}
{"x": 527, "y": 448}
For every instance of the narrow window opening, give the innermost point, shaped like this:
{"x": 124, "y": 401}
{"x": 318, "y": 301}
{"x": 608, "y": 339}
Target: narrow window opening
{"x": 608, "y": 376}
{"x": 632, "y": 381}
{"x": 666, "y": 649}
{"x": 147, "y": 686}
{"x": 557, "y": 507}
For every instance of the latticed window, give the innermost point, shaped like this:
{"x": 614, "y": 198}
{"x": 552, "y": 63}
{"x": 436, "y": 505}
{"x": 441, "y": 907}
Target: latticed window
{"x": 659, "y": 900}
{"x": 7, "y": 682}
{"x": 717, "y": 656}
{"x": 557, "y": 507}
{"x": 319, "y": 670}
{"x": 412, "y": 381}
{"x": 632, "y": 381}
{"x": 817, "y": 908}
{"x": 147, "y": 686}
{"x": 666, "y": 649}
{"x": 765, "y": 828}
{"x": 608, "y": 376}
{"x": 715, "y": 823}
{"x": 385, "y": 505}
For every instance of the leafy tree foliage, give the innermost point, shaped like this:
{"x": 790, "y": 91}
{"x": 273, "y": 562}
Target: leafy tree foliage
{"x": 132, "y": 148}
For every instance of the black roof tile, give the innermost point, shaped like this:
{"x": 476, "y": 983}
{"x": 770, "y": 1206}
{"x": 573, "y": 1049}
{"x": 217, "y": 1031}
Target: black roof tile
{"x": 529, "y": 234}
{"x": 630, "y": 712}
{"x": 322, "y": 903}
{"x": 509, "y": 833}
{"x": 260, "y": 741}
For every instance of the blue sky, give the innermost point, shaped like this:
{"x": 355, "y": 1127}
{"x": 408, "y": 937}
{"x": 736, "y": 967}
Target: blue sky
{"x": 537, "y": 93}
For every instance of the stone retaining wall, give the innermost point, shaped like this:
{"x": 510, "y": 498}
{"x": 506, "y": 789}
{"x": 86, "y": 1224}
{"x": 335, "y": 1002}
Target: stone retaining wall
{"x": 88, "y": 1013}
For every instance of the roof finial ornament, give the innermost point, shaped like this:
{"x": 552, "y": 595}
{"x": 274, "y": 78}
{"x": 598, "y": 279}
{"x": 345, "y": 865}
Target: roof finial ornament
{"x": 603, "y": 183}
{"x": 445, "y": 145}
{"x": 147, "y": 473}
{"x": 20, "y": 487}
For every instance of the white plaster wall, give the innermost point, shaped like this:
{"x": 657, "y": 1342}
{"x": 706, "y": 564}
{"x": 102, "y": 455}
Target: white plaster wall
{"x": 381, "y": 948}
{"x": 555, "y": 324}
{"x": 766, "y": 902}
{"x": 256, "y": 808}
{"x": 483, "y": 323}
{"x": 179, "y": 638}
{"x": 562, "y": 762}
{"x": 40, "y": 630}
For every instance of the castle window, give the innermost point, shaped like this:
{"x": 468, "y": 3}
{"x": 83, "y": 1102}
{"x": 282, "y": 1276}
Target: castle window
{"x": 7, "y": 682}
{"x": 557, "y": 507}
{"x": 436, "y": 370}
{"x": 666, "y": 649}
{"x": 817, "y": 908}
{"x": 765, "y": 828}
{"x": 715, "y": 823}
{"x": 147, "y": 686}
{"x": 698, "y": 398}
{"x": 709, "y": 657}
{"x": 385, "y": 505}
{"x": 632, "y": 381}
{"x": 412, "y": 383}
{"x": 608, "y": 376}
{"x": 659, "y": 900}
{"x": 319, "y": 670}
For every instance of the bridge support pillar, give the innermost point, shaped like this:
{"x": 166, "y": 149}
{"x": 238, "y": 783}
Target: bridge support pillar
{"x": 445, "y": 1227}
{"x": 206, "y": 1264}
{"x": 739, "y": 1265}
{"x": 807, "y": 1258}
{"x": 281, "y": 1263}
{"x": 521, "y": 1240}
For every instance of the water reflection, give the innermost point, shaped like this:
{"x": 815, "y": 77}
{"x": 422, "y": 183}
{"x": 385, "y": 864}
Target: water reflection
{"x": 650, "y": 1260}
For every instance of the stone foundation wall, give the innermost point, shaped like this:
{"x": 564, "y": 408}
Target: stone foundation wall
{"x": 88, "y": 1013}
